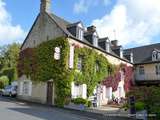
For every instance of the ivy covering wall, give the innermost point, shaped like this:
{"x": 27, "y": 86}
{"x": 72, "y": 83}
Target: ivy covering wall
{"x": 39, "y": 65}
{"x": 95, "y": 67}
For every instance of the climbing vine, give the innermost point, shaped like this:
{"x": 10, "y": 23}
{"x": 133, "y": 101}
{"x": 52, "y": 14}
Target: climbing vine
{"x": 95, "y": 67}
{"x": 114, "y": 79}
{"x": 39, "y": 64}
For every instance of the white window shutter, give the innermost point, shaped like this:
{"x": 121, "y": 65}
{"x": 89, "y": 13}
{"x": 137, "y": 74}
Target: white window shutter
{"x": 71, "y": 57}
{"x": 20, "y": 90}
{"x": 30, "y": 89}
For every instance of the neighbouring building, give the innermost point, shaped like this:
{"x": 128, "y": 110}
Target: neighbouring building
{"x": 48, "y": 26}
{"x": 146, "y": 61}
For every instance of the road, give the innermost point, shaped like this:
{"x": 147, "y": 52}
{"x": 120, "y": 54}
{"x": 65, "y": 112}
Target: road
{"x": 11, "y": 109}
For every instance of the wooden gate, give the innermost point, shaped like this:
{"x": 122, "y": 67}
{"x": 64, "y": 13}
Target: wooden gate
{"x": 49, "y": 92}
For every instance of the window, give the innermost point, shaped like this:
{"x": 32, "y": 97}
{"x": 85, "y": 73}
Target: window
{"x": 141, "y": 70}
{"x": 158, "y": 55}
{"x": 26, "y": 88}
{"x": 80, "y": 34}
{"x": 154, "y": 56}
{"x": 97, "y": 67}
{"x": 157, "y": 69}
{"x": 79, "y": 65}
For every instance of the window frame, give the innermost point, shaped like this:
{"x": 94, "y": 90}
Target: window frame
{"x": 79, "y": 63}
{"x": 80, "y": 33}
{"x": 157, "y": 69}
{"x": 141, "y": 70}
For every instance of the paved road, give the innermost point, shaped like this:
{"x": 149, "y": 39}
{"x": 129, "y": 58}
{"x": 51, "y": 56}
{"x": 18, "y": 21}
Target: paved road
{"x": 13, "y": 110}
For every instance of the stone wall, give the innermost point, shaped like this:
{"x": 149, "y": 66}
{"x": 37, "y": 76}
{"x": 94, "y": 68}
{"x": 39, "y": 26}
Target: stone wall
{"x": 44, "y": 29}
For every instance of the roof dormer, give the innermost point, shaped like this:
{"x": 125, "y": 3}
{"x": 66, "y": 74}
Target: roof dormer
{"x": 104, "y": 43}
{"x": 155, "y": 55}
{"x": 77, "y": 30}
{"x": 91, "y": 35}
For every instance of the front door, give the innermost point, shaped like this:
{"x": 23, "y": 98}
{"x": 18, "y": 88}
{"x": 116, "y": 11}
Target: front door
{"x": 49, "y": 92}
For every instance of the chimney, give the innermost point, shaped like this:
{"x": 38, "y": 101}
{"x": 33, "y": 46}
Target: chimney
{"x": 45, "y": 6}
{"x": 91, "y": 28}
{"x": 114, "y": 43}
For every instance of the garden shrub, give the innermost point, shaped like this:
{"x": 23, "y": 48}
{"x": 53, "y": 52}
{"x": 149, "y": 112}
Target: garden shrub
{"x": 139, "y": 106}
{"x": 3, "y": 81}
{"x": 80, "y": 101}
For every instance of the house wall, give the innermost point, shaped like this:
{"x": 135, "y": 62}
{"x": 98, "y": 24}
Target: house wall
{"x": 102, "y": 96}
{"x": 44, "y": 29}
{"x": 37, "y": 91}
{"x": 111, "y": 59}
{"x": 150, "y": 72}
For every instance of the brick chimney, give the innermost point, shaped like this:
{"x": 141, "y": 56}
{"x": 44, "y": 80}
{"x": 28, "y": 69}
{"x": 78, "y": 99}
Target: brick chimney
{"x": 45, "y": 6}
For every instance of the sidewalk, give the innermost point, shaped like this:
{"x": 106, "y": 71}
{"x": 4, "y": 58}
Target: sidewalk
{"x": 109, "y": 111}
{"x": 99, "y": 113}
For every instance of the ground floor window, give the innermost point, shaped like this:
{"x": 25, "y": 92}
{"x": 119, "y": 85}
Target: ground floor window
{"x": 25, "y": 88}
{"x": 157, "y": 69}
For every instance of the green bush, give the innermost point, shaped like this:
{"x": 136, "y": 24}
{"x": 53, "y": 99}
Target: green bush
{"x": 139, "y": 106}
{"x": 3, "y": 81}
{"x": 89, "y": 104}
{"x": 80, "y": 101}
{"x": 10, "y": 73}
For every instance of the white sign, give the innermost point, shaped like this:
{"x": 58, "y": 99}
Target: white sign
{"x": 71, "y": 57}
{"x": 57, "y": 51}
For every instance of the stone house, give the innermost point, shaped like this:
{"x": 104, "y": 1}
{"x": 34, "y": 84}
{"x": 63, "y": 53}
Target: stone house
{"x": 146, "y": 61}
{"x": 48, "y": 26}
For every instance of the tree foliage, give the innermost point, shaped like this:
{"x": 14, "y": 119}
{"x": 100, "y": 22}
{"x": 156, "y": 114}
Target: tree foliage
{"x": 9, "y": 55}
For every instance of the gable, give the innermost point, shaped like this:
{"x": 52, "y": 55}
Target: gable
{"x": 43, "y": 29}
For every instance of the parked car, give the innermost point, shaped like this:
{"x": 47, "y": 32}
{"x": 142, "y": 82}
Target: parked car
{"x": 10, "y": 90}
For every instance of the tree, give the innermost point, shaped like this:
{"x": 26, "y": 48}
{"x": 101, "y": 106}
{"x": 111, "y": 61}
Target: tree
{"x": 9, "y": 55}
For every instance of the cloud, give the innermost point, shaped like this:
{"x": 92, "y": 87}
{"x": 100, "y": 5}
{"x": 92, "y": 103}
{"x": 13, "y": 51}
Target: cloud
{"x": 9, "y": 33}
{"x": 135, "y": 22}
{"x": 82, "y": 6}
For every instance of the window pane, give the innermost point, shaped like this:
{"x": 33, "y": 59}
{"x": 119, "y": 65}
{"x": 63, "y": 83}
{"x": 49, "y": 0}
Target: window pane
{"x": 141, "y": 70}
{"x": 79, "y": 65}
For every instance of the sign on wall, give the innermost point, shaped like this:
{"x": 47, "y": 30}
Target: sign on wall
{"x": 57, "y": 53}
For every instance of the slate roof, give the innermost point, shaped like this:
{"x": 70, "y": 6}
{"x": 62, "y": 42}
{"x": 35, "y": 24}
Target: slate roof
{"x": 143, "y": 54}
{"x": 63, "y": 24}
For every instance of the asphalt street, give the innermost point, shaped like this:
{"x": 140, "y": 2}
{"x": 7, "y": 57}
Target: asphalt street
{"x": 11, "y": 109}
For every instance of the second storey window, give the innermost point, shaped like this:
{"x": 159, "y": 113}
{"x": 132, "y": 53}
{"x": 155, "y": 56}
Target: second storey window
{"x": 141, "y": 70}
{"x": 154, "y": 56}
{"x": 157, "y": 69}
{"x": 80, "y": 34}
{"x": 79, "y": 64}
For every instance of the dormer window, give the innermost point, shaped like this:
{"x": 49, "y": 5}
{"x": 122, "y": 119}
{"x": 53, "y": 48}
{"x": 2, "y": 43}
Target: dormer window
{"x": 154, "y": 56}
{"x": 80, "y": 33}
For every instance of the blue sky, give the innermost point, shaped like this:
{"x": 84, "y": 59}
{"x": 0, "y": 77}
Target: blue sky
{"x": 129, "y": 18}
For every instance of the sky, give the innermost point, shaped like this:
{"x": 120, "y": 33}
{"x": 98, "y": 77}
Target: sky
{"x": 131, "y": 22}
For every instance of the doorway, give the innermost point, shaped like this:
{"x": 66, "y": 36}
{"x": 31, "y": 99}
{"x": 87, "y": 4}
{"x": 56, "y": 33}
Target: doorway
{"x": 49, "y": 92}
